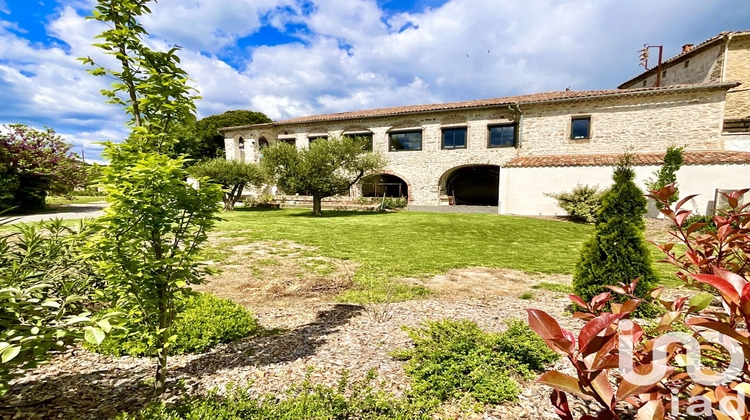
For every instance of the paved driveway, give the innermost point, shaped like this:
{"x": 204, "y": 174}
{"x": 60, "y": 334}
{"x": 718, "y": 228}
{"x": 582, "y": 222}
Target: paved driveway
{"x": 70, "y": 211}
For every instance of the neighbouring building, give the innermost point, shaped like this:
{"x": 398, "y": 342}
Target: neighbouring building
{"x": 509, "y": 152}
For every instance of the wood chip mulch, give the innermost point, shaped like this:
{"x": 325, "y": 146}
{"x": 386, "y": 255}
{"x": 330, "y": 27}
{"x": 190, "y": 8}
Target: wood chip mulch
{"x": 320, "y": 340}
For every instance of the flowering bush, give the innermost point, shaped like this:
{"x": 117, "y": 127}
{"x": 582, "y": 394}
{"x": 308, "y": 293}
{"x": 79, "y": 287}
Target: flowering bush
{"x": 628, "y": 372}
{"x": 34, "y": 163}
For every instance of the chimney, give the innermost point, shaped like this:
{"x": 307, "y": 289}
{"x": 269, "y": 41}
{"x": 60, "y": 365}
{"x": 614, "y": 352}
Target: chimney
{"x": 687, "y": 47}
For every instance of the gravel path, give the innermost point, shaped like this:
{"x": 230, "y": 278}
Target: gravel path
{"x": 324, "y": 337}
{"x": 66, "y": 212}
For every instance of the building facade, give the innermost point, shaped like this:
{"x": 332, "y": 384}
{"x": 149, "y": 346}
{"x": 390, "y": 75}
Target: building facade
{"x": 511, "y": 152}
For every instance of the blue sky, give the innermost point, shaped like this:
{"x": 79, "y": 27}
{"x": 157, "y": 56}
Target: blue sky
{"x": 289, "y": 58}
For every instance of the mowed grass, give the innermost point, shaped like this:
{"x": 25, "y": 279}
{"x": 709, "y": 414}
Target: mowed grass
{"x": 58, "y": 200}
{"x": 414, "y": 244}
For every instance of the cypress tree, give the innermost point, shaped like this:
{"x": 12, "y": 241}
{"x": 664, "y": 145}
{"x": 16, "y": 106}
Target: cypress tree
{"x": 617, "y": 253}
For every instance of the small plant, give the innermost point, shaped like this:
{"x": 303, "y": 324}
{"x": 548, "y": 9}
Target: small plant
{"x": 667, "y": 174}
{"x": 46, "y": 290}
{"x": 675, "y": 381}
{"x": 394, "y": 203}
{"x": 582, "y": 203}
{"x": 206, "y": 322}
{"x": 359, "y": 400}
{"x": 366, "y": 200}
{"x": 456, "y": 359}
{"x": 526, "y": 296}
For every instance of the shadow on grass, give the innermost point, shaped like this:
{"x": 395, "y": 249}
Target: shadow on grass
{"x": 307, "y": 213}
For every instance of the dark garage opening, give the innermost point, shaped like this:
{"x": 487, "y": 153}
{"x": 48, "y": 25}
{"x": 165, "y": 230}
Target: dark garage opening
{"x": 474, "y": 185}
{"x": 390, "y": 185}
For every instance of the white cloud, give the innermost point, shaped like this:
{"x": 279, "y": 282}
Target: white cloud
{"x": 350, "y": 55}
{"x": 207, "y": 26}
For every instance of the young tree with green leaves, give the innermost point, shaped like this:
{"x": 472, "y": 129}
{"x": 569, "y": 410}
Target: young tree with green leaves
{"x": 617, "y": 253}
{"x": 328, "y": 167}
{"x": 232, "y": 175}
{"x": 153, "y": 230}
{"x": 667, "y": 174}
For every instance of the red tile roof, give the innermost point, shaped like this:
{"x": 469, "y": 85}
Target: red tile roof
{"x": 693, "y": 50}
{"x": 695, "y": 157}
{"x": 480, "y": 103}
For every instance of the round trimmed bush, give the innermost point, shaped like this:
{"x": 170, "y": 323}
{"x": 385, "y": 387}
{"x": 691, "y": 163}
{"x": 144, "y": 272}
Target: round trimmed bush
{"x": 206, "y": 322}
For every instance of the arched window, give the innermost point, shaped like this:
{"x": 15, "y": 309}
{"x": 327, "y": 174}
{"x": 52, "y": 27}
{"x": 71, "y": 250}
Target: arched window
{"x": 242, "y": 149}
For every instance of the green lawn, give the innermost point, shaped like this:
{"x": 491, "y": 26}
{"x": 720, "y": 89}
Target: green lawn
{"x": 391, "y": 245}
{"x": 57, "y": 200}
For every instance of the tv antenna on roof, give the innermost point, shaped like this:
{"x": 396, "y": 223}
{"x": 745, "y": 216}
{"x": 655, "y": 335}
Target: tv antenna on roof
{"x": 644, "y": 60}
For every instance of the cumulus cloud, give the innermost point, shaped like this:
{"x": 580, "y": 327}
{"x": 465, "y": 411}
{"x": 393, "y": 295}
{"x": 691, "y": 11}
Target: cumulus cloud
{"x": 341, "y": 55}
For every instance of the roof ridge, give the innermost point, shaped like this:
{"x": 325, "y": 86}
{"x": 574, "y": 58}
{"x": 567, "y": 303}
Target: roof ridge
{"x": 530, "y": 98}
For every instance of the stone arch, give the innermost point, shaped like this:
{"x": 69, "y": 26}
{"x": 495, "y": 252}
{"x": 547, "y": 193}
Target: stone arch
{"x": 453, "y": 119}
{"x": 351, "y": 128}
{"x": 405, "y": 124}
{"x": 475, "y": 184}
{"x": 388, "y": 175}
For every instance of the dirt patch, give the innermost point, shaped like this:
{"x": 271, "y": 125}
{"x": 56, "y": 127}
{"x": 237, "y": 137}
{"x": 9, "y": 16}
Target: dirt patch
{"x": 483, "y": 282}
{"x": 282, "y": 272}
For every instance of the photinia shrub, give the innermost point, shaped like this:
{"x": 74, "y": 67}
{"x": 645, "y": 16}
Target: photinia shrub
{"x": 693, "y": 363}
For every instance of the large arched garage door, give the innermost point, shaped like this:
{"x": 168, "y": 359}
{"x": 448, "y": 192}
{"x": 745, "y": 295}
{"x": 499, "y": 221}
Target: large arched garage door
{"x": 476, "y": 185}
{"x": 384, "y": 184}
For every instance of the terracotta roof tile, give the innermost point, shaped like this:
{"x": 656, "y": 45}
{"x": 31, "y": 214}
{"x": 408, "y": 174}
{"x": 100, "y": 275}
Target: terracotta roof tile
{"x": 687, "y": 53}
{"x": 699, "y": 157}
{"x": 509, "y": 100}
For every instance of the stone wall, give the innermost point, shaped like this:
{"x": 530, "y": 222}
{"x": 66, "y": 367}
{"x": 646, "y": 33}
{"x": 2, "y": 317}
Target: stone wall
{"x": 738, "y": 70}
{"x": 644, "y": 124}
{"x": 701, "y": 67}
{"x": 648, "y": 123}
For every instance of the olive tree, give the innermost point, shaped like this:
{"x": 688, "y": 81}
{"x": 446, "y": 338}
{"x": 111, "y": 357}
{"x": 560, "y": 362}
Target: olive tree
{"x": 156, "y": 222}
{"x": 328, "y": 167}
{"x": 232, "y": 175}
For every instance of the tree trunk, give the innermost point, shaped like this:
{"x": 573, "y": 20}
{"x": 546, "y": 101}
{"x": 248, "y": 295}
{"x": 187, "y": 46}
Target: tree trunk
{"x": 316, "y": 204}
{"x": 228, "y": 202}
{"x": 162, "y": 339}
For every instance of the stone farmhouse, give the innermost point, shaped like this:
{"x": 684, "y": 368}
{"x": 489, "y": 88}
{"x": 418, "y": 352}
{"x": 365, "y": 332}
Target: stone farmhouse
{"x": 508, "y": 152}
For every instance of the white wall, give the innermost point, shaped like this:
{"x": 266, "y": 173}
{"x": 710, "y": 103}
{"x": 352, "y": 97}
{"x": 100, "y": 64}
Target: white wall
{"x": 522, "y": 189}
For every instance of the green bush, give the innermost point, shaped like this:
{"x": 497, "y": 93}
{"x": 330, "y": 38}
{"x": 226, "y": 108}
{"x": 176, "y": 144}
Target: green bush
{"x": 206, "y": 322}
{"x": 394, "y": 202}
{"x": 456, "y": 359}
{"x": 617, "y": 253}
{"x": 356, "y": 401}
{"x": 581, "y": 204}
{"x": 697, "y": 218}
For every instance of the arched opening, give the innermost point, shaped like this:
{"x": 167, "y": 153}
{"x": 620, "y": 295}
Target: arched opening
{"x": 474, "y": 185}
{"x": 384, "y": 184}
{"x": 262, "y": 143}
{"x": 241, "y": 142}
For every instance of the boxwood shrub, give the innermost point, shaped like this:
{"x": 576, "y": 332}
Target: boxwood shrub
{"x": 206, "y": 322}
